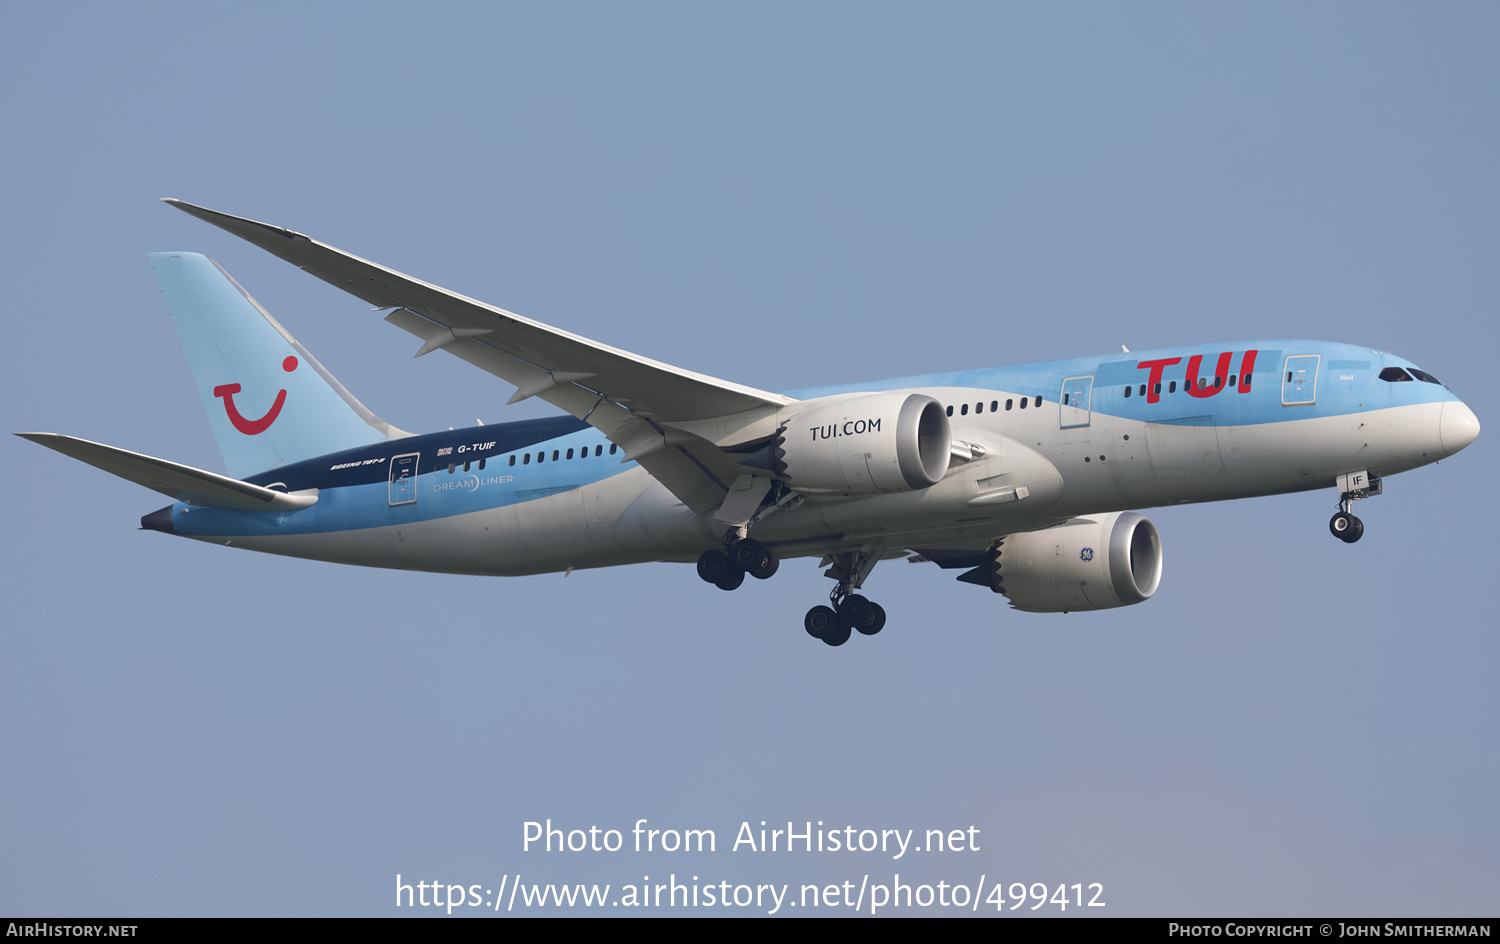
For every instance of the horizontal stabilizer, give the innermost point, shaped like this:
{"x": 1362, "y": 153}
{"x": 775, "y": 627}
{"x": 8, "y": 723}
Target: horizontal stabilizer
{"x": 182, "y": 482}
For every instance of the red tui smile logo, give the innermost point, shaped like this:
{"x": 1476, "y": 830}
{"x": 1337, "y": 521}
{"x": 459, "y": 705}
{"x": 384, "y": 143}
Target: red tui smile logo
{"x": 247, "y": 426}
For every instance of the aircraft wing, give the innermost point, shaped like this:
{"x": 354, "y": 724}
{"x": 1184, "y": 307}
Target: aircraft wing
{"x": 633, "y": 400}
{"x": 182, "y": 482}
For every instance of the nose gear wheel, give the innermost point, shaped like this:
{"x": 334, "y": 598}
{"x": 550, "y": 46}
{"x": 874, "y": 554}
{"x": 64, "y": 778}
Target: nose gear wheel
{"x": 1346, "y": 527}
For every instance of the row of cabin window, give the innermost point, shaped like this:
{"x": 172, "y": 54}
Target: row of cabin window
{"x": 453, "y": 466}
{"x": 557, "y": 454}
{"x": 541, "y": 457}
{"x": 1389, "y": 374}
{"x": 1188, "y": 385}
{"x": 963, "y": 410}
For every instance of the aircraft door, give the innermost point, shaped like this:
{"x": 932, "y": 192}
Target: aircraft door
{"x": 403, "y": 481}
{"x": 1299, "y": 380}
{"x": 1075, "y": 410}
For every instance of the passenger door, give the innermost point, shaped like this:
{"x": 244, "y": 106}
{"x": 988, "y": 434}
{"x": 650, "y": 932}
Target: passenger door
{"x": 1299, "y": 380}
{"x": 1074, "y": 408}
{"x": 403, "y": 480}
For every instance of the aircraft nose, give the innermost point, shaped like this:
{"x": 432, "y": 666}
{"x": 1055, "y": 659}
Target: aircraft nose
{"x": 1457, "y": 427}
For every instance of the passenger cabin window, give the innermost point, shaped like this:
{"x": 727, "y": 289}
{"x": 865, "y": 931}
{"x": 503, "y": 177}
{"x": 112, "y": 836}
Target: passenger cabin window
{"x": 1008, "y": 403}
{"x": 1172, "y": 387}
{"x": 994, "y": 405}
{"x": 950, "y": 411}
{"x": 1023, "y": 402}
{"x": 964, "y": 411}
{"x": 1038, "y": 401}
{"x": 1127, "y": 392}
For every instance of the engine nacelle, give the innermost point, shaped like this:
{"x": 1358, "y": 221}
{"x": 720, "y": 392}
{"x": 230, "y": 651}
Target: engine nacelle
{"x": 1092, "y": 563}
{"x": 866, "y": 444}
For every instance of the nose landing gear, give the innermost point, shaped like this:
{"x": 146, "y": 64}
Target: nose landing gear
{"x": 1352, "y": 487}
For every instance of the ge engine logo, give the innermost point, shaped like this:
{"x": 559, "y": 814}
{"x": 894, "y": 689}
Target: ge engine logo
{"x": 1087, "y": 554}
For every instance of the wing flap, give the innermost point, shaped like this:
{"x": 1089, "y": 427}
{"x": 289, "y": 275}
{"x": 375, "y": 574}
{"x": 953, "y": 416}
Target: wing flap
{"x": 181, "y": 482}
{"x": 692, "y": 468}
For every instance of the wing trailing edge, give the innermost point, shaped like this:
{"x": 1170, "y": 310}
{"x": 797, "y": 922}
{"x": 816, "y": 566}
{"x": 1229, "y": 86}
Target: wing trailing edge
{"x": 667, "y": 392}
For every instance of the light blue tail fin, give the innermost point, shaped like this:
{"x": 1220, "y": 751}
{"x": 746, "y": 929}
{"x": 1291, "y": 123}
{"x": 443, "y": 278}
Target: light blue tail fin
{"x": 268, "y": 400}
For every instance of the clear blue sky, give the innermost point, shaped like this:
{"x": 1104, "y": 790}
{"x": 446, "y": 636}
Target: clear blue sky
{"x": 784, "y": 195}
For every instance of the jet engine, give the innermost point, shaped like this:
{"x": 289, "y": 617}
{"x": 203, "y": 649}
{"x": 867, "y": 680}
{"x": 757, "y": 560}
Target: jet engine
{"x": 1093, "y": 563}
{"x": 866, "y": 444}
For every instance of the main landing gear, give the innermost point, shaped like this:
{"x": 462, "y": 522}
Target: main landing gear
{"x": 835, "y": 624}
{"x": 726, "y": 569}
{"x": 849, "y": 611}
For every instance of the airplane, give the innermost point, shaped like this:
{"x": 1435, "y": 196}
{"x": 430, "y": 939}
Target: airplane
{"x": 1024, "y": 478}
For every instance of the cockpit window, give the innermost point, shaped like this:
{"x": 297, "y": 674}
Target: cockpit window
{"x": 1394, "y": 375}
{"x": 1425, "y": 377}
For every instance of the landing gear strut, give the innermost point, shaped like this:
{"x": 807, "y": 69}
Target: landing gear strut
{"x": 849, "y": 610}
{"x": 726, "y": 569}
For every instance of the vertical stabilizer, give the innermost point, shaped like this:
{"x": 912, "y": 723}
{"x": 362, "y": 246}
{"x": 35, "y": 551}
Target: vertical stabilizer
{"x": 268, "y": 400}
